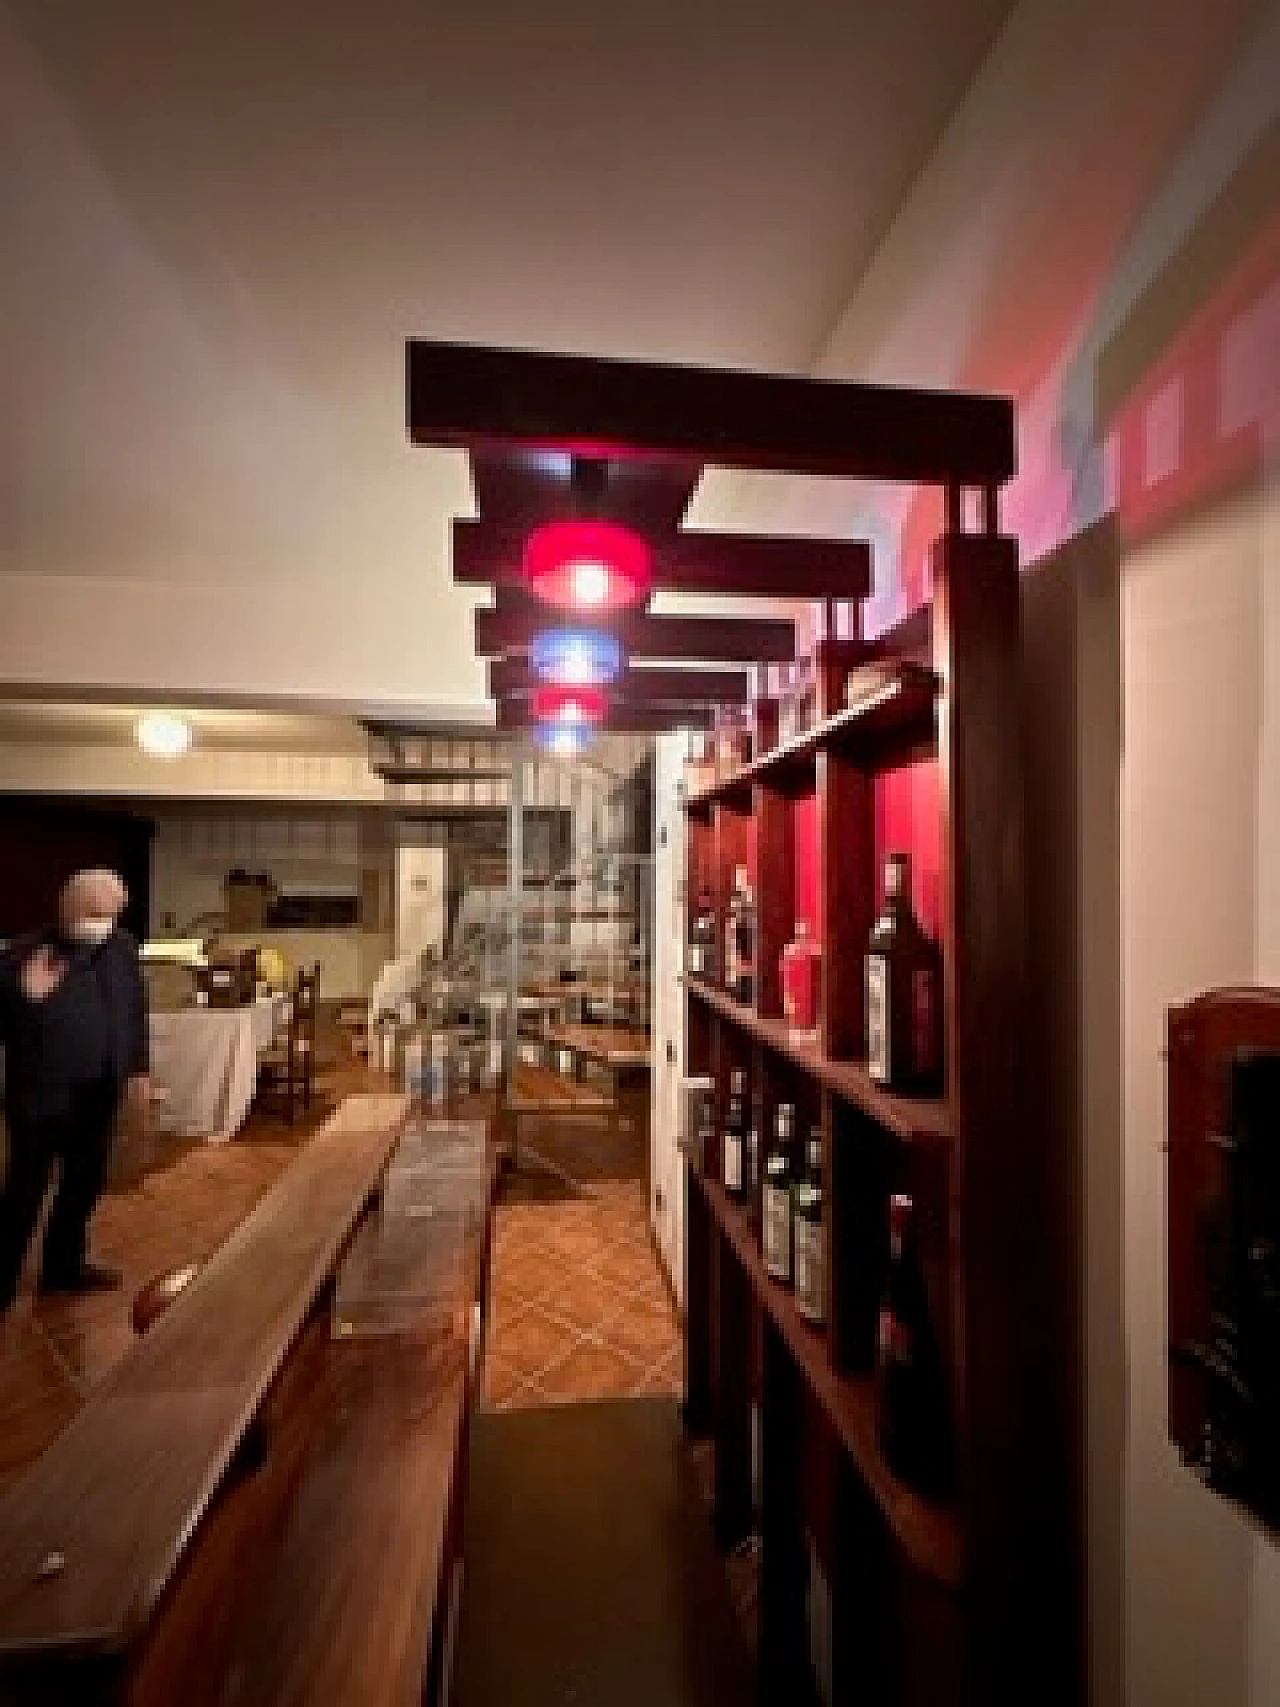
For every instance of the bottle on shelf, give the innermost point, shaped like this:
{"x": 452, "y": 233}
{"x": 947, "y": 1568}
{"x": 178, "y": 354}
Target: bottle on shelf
{"x": 733, "y": 1141}
{"x": 808, "y": 1238}
{"x": 776, "y": 1218}
{"x": 910, "y": 1392}
{"x": 801, "y": 978}
{"x": 700, "y": 960}
{"x": 903, "y": 972}
{"x": 740, "y": 940}
{"x": 751, "y": 1165}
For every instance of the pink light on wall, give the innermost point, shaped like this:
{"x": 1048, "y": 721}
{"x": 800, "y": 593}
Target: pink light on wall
{"x": 589, "y": 567}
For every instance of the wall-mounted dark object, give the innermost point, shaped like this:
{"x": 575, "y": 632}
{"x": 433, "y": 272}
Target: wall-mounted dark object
{"x": 1224, "y": 1243}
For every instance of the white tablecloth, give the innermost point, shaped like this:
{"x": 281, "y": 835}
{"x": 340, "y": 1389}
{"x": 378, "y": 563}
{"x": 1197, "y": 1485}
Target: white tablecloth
{"x": 205, "y": 1060}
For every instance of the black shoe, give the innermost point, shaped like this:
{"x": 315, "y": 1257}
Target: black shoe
{"x": 89, "y": 1277}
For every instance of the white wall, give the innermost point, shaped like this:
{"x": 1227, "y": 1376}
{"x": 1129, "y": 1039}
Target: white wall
{"x": 1202, "y": 889}
{"x": 667, "y": 1200}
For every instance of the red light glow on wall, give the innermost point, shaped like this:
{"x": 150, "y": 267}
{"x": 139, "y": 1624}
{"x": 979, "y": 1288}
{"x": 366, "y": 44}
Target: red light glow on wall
{"x": 553, "y": 703}
{"x": 590, "y": 567}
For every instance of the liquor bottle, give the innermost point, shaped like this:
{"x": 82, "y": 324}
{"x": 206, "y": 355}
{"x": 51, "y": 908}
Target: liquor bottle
{"x": 731, "y": 936}
{"x": 776, "y": 1223}
{"x": 808, "y": 1238}
{"x": 801, "y": 978}
{"x": 702, "y": 938}
{"x": 909, "y": 1388}
{"x": 903, "y": 972}
{"x": 745, "y": 940}
{"x": 751, "y": 1167}
{"x": 732, "y": 1142}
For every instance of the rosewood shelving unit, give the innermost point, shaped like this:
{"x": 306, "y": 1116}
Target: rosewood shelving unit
{"x": 938, "y": 1602}
{"x": 923, "y": 1590}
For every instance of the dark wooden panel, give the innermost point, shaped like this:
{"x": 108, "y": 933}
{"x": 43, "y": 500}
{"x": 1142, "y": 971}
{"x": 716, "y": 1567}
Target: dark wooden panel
{"x": 459, "y": 394}
{"x": 738, "y": 565}
{"x": 43, "y": 841}
{"x": 698, "y": 1233}
{"x": 521, "y": 488}
{"x": 620, "y": 717}
{"x": 731, "y": 1394}
{"x": 699, "y": 639}
{"x": 122, "y": 1491}
{"x": 783, "y": 1643}
{"x": 977, "y": 645}
{"x": 640, "y": 686}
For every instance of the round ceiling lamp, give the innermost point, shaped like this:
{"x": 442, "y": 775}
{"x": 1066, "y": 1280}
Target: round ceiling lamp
{"x": 592, "y": 567}
{"x": 563, "y": 740}
{"x": 162, "y": 735}
{"x": 576, "y": 657}
{"x": 552, "y": 703}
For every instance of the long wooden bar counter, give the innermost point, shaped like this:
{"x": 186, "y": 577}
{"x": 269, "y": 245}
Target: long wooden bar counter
{"x": 262, "y": 1502}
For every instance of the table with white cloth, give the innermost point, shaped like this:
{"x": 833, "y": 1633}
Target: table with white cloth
{"x": 205, "y": 1060}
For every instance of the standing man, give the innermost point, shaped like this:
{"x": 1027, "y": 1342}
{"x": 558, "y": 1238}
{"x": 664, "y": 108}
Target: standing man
{"x": 73, "y": 1022}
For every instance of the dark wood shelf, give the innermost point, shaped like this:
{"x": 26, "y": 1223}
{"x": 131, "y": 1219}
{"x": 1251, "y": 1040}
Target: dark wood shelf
{"x": 914, "y": 1119}
{"x": 930, "y": 1535}
{"x": 894, "y": 719}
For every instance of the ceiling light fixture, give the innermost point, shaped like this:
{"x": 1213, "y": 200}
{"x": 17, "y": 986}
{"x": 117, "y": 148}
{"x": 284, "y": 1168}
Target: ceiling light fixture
{"x": 563, "y": 740}
{"x": 576, "y": 657}
{"x": 551, "y": 703}
{"x": 593, "y": 566}
{"x": 162, "y": 735}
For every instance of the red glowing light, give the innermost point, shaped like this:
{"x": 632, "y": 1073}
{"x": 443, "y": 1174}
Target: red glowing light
{"x": 590, "y": 566}
{"x": 554, "y": 703}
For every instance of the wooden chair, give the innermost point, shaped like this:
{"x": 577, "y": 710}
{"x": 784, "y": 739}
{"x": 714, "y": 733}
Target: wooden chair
{"x": 287, "y": 1069}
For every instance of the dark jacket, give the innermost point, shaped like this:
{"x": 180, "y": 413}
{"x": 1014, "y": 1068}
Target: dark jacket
{"x": 117, "y": 970}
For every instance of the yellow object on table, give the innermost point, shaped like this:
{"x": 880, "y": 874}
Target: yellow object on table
{"x": 273, "y": 969}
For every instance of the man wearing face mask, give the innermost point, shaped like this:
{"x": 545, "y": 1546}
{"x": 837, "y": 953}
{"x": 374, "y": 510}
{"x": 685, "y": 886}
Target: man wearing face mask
{"x": 73, "y": 1022}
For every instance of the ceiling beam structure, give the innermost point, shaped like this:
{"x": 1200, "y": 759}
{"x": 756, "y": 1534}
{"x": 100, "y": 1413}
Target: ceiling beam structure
{"x": 480, "y": 398}
{"x": 740, "y": 565}
{"x": 695, "y": 639}
{"x": 620, "y": 719}
{"x": 510, "y": 676}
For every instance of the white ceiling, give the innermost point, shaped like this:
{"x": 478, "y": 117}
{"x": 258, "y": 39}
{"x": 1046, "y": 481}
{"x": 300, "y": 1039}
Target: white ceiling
{"x": 217, "y": 235}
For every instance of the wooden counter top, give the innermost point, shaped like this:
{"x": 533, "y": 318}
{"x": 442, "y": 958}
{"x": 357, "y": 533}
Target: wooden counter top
{"x": 614, "y": 1045}
{"x": 118, "y": 1495}
{"x": 295, "y": 1537}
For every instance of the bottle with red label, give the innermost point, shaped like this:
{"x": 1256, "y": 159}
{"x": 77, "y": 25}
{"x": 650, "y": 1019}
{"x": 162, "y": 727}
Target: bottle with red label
{"x": 910, "y": 1390}
{"x": 903, "y": 985}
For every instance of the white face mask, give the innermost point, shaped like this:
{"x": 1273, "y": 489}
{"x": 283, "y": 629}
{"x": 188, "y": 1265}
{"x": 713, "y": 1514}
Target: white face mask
{"x": 90, "y": 933}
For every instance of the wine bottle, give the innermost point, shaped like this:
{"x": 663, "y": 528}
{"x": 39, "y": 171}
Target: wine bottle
{"x": 702, "y": 938}
{"x": 910, "y": 1392}
{"x": 776, "y": 1226}
{"x": 732, "y": 1141}
{"x": 903, "y": 981}
{"x": 808, "y": 1238}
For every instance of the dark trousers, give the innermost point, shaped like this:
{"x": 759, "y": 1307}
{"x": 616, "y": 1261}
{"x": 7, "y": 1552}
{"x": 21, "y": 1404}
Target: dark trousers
{"x": 74, "y": 1131}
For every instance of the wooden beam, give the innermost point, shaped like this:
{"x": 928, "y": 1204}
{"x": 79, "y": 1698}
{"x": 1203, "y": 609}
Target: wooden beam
{"x": 471, "y": 396}
{"x": 734, "y": 564}
{"x": 702, "y": 639}
{"x": 620, "y": 719}
{"x": 511, "y": 676}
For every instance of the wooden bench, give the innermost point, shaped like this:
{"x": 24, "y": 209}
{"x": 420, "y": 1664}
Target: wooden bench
{"x": 100, "y": 1535}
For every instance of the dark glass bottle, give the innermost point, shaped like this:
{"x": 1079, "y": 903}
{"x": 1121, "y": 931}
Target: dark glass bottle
{"x": 776, "y": 1219}
{"x": 808, "y": 1239}
{"x": 733, "y": 1139}
{"x": 702, "y": 938}
{"x": 910, "y": 1392}
{"x": 903, "y": 973}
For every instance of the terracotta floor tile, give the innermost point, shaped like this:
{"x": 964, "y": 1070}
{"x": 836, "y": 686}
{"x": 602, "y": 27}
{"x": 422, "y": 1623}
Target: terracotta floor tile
{"x": 646, "y": 1331}
{"x": 590, "y": 1372}
{"x": 534, "y": 1342}
{"x": 499, "y": 1383}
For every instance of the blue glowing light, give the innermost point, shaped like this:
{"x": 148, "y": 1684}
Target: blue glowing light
{"x": 575, "y": 657}
{"x": 563, "y": 740}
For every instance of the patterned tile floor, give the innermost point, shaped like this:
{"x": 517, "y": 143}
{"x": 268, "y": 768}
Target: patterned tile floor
{"x": 579, "y": 1308}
